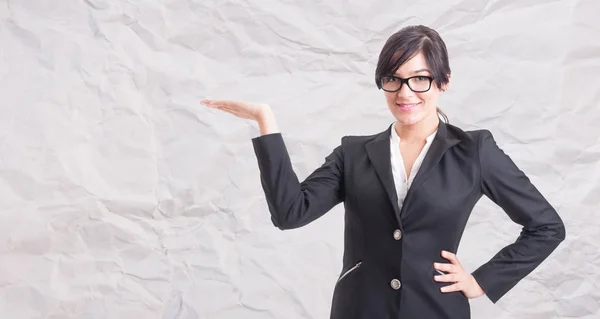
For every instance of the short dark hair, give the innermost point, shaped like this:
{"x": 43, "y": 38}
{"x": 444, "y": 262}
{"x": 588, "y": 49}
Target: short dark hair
{"x": 408, "y": 42}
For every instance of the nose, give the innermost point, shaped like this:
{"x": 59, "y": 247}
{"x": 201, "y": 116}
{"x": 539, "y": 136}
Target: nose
{"x": 405, "y": 91}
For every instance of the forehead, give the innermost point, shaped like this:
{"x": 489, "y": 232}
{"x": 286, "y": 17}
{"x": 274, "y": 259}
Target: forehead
{"x": 415, "y": 65}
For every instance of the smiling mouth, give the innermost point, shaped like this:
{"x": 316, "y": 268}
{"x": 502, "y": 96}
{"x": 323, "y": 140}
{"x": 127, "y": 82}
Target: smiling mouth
{"x": 407, "y": 106}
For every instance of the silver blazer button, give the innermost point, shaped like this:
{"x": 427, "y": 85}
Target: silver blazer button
{"x": 395, "y": 284}
{"x": 397, "y": 234}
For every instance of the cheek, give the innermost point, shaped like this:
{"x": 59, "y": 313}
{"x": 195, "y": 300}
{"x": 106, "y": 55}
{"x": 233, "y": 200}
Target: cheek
{"x": 428, "y": 98}
{"x": 389, "y": 97}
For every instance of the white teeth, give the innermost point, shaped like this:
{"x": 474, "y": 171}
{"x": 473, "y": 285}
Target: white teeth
{"x": 408, "y": 105}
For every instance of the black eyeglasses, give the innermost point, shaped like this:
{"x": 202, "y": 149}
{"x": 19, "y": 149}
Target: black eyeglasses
{"x": 417, "y": 83}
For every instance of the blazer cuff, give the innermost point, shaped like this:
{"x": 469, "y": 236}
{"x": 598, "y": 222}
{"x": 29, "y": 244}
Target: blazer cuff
{"x": 485, "y": 278}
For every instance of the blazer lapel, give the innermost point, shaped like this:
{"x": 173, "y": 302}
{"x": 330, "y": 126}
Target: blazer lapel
{"x": 440, "y": 144}
{"x": 378, "y": 152}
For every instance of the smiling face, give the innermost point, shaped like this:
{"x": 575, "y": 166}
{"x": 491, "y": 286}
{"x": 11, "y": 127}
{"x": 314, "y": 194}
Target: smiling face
{"x": 410, "y": 107}
{"x": 413, "y": 51}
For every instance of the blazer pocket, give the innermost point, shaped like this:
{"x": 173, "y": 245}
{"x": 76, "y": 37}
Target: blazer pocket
{"x": 349, "y": 271}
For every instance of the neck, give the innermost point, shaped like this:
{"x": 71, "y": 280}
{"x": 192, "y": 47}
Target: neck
{"x": 416, "y": 133}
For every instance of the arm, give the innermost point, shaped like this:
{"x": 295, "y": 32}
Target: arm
{"x": 507, "y": 186}
{"x": 293, "y": 204}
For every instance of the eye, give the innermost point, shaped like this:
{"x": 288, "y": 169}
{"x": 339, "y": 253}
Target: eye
{"x": 388, "y": 79}
{"x": 421, "y": 78}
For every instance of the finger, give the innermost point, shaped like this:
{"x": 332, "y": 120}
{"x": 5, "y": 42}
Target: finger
{"x": 451, "y": 257}
{"x": 450, "y": 288}
{"x": 446, "y": 267}
{"x": 447, "y": 278}
{"x": 229, "y": 104}
{"x": 440, "y": 272}
{"x": 211, "y": 104}
{"x": 215, "y": 102}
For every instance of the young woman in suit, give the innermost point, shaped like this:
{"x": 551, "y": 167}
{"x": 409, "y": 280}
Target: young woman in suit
{"x": 407, "y": 193}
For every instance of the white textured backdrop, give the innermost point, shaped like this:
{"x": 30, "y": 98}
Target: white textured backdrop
{"x": 122, "y": 197}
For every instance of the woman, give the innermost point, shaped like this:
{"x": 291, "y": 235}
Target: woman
{"x": 408, "y": 192}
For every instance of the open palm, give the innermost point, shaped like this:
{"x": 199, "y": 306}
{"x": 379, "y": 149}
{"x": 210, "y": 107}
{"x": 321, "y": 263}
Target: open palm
{"x": 240, "y": 109}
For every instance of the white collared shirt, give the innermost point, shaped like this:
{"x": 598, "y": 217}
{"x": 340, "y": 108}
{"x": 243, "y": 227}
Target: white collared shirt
{"x": 401, "y": 181}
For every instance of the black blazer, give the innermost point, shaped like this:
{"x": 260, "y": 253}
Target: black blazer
{"x": 389, "y": 253}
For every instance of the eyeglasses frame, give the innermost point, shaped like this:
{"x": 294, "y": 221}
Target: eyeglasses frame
{"x": 405, "y": 80}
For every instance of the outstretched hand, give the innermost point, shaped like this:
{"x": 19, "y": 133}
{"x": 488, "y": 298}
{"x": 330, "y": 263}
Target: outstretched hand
{"x": 245, "y": 110}
{"x": 259, "y": 112}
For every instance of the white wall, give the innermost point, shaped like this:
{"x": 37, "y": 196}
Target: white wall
{"x": 122, "y": 197}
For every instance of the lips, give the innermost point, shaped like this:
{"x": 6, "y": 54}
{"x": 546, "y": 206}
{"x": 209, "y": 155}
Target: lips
{"x": 407, "y": 106}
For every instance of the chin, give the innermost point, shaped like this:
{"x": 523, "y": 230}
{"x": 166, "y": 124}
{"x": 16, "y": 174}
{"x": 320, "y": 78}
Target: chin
{"x": 406, "y": 119}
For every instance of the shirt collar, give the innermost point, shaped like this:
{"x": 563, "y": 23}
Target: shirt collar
{"x": 396, "y": 138}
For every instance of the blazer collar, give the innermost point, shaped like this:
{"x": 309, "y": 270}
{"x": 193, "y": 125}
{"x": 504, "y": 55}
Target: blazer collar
{"x": 378, "y": 151}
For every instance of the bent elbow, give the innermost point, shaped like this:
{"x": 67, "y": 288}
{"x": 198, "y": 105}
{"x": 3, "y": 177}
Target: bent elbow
{"x": 279, "y": 224}
{"x": 561, "y": 232}
{"x": 555, "y": 234}
{"x": 284, "y": 223}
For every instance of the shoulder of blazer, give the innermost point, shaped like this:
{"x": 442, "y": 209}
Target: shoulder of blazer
{"x": 355, "y": 142}
{"x": 352, "y": 140}
{"x": 471, "y": 137}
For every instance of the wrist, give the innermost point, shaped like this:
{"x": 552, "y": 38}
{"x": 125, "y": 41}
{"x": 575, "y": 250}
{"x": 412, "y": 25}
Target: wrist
{"x": 267, "y": 123}
{"x": 264, "y": 113}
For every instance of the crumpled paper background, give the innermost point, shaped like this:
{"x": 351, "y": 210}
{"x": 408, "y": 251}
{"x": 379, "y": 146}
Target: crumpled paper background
{"x": 122, "y": 197}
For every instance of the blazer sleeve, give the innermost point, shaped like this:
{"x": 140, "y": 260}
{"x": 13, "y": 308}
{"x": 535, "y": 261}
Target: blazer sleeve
{"x": 507, "y": 186}
{"x": 292, "y": 203}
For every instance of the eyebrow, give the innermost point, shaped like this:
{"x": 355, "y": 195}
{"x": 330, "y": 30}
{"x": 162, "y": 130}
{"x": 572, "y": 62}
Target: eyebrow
{"x": 418, "y": 71}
